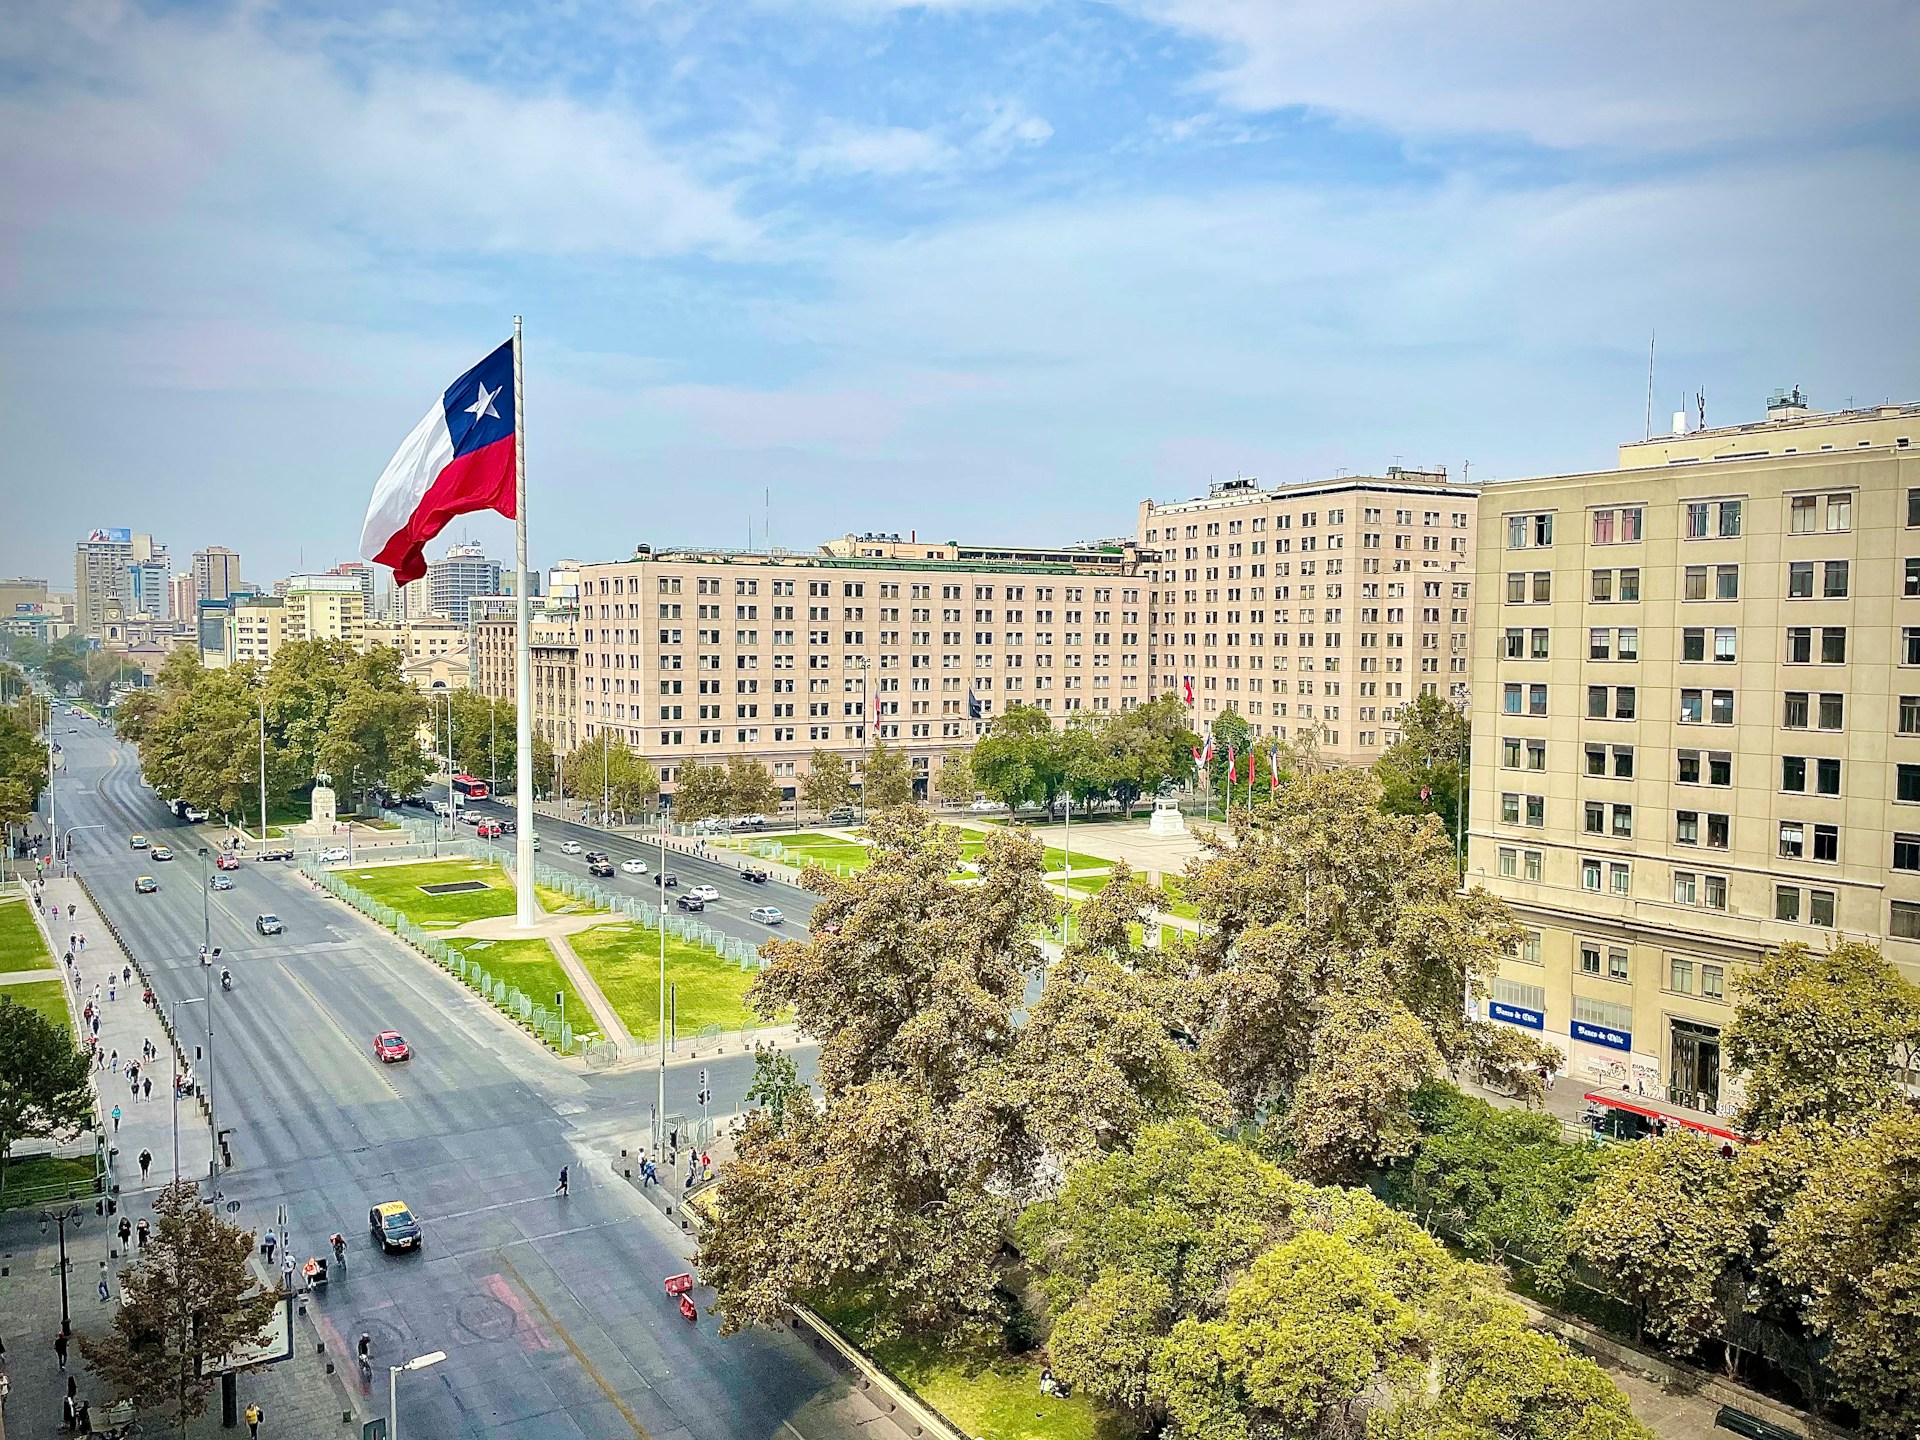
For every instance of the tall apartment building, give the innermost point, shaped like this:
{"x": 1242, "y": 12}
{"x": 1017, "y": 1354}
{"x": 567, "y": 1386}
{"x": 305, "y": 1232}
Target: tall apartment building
{"x": 313, "y": 607}
{"x": 554, "y": 640}
{"x": 1696, "y": 685}
{"x": 464, "y": 573}
{"x": 698, "y": 654}
{"x": 101, "y": 575}
{"x": 148, "y": 580}
{"x": 216, "y": 572}
{"x": 1319, "y": 609}
{"x": 183, "y": 601}
{"x": 363, "y": 572}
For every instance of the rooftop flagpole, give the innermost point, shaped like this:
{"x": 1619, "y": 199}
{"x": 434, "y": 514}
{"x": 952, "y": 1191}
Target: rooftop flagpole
{"x": 525, "y": 912}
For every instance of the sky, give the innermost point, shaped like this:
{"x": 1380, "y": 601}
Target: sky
{"x": 988, "y": 270}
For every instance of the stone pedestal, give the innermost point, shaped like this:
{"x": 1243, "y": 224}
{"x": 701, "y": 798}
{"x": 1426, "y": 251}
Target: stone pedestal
{"x": 1167, "y": 819}
{"x": 326, "y": 806}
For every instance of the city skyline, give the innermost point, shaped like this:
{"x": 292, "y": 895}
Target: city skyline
{"x": 1021, "y": 256}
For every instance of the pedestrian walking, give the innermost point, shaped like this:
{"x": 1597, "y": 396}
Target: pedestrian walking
{"x": 126, "y": 973}
{"x": 561, "y": 1188}
{"x": 706, "y": 1165}
{"x": 60, "y": 1349}
{"x": 96, "y": 1027}
{"x": 83, "y": 942}
{"x": 113, "y": 990}
{"x": 146, "y": 1087}
{"x": 105, "y": 1293}
{"x": 83, "y": 1421}
{"x": 113, "y": 1062}
{"x": 126, "y": 1231}
{"x": 253, "y": 1417}
{"x": 142, "y": 1231}
{"x": 69, "y": 1412}
{"x": 116, "y": 1119}
{"x": 267, "y": 1244}
{"x": 146, "y": 1164}
{"x": 73, "y": 941}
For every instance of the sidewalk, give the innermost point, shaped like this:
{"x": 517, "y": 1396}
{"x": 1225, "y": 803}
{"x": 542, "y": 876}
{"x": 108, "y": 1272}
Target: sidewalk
{"x": 147, "y": 1120}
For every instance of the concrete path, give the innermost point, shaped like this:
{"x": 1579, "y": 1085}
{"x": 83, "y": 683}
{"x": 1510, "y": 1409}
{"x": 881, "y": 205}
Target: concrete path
{"x": 125, "y": 1025}
{"x": 611, "y": 1025}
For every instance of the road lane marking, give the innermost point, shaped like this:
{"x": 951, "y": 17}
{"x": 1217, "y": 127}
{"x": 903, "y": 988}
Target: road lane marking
{"x": 580, "y": 1355}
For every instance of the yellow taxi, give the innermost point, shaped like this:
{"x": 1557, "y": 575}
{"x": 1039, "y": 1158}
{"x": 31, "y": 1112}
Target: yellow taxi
{"x": 138, "y": 842}
{"x": 393, "y": 1226}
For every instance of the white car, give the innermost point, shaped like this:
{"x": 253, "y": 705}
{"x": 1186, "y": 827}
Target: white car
{"x": 634, "y": 867}
{"x": 766, "y": 914}
{"x": 569, "y": 847}
{"x": 981, "y": 802}
{"x": 337, "y": 855}
{"x": 704, "y": 892}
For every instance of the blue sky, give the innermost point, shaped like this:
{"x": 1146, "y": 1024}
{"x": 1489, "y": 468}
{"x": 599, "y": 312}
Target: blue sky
{"x": 987, "y": 269}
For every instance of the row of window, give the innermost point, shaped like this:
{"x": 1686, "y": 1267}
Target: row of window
{"x": 1806, "y": 580}
{"x": 1799, "y": 774}
{"x": 1701, "y": 520}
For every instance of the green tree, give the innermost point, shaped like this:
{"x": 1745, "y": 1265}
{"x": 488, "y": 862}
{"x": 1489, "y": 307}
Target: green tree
{"x": 1822, "y": 1036}
{"x": 604, "y": 768}
{"x": 1019, "y": 760}
{"x": 1422, "y": 772}
{"x": 701, "y": 791}
{"x": 829, "y": 782}
{"x": 902, "y": 1186}
{"x": 103, "y": 670}
{"x": 777, "y": 1088}
{"x": 885, "y": 780}
{"x": 1231, "y": 736}
{"x": 1663, "y": 1224}
{"x": 65, "y": 665}
{"x": 44, "y": 1089}
{"x": 1148, "y": 748}
{"x": 751, "y": 788}
{"x": 190, "y": 1299}
{"x": 23, "y": 763}
{"x": 955, "y": 783}
{"x": 1324, "y": 927}
{"x": 1850, "y": 1242}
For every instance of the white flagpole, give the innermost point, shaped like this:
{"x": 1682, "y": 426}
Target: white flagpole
{"x": 526, "y": 914}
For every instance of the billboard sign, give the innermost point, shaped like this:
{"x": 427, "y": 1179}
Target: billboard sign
{"x": 1601, "y": 1035}
{"x": 112, "y": 537}
{"x": 1517, "y": 1015}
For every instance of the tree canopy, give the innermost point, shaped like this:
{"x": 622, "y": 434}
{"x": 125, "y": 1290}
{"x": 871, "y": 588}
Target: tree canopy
{"x": 1118, "y": 756}
{"x": 886, "y": 779}
{"x": 603, "y": 768}
{"x": 23, "y": 759}
{"x": 829, "y": 781}
{"x": 1421, "y": 773}
{"x": 44, "y": 1089}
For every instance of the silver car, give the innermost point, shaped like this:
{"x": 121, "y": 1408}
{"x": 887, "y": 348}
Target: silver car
{"x": 766, "y": 914}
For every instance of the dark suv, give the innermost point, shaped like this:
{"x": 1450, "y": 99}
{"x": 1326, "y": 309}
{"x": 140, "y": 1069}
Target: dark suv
{"x": 600, "y": 865}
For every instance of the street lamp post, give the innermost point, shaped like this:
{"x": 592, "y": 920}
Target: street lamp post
{"x": 419, "y": 1362}
{"x": 660, "y": 1103}
{"x": 61, "y": 1218}
{"x": 72, "y": 830}
{"x": 209, "y": 953}
{"x": 193, "y": 1000}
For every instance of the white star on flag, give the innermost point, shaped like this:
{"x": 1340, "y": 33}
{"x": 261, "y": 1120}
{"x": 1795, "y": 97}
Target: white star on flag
{"x": 483, "y": 407}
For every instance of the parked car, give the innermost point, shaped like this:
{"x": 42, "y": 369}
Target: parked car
{"x": 766, "y": 914}
{"x": 217, "y": 881}
{"x": 601, "y": 868}
{"x": 840, "y": 815}
{"x": 982, "y": 803}
{"x": 705, "y": 892}
{"x": 747, "y": 822}
{"x": 269, "y": 925}
{"x": 667, "y": 881}
{"x": 690, "y": 902}
{"x": 635, "y": 866}
{"x": 145, "y": 885}
{"x": 194, "y": 815}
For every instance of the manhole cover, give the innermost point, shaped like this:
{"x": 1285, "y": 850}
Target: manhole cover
{"x": 456, "y": 887}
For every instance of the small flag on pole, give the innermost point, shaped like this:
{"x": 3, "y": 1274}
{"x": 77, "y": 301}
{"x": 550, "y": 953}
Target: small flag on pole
{"x": 1187, "y": 683}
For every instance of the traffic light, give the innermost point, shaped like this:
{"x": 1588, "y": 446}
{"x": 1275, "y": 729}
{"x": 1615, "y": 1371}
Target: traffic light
{"x": 705, "y": 1094}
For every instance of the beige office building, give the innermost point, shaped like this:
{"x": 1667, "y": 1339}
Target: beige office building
{"x": 702, "y": 654}
{"x": 1317, "y": 610}
{"x": 216, "y": 572}
{"x": 314, "y": 607}
{"x": 554, "y": 641}
{"x": 1696, "y": 717}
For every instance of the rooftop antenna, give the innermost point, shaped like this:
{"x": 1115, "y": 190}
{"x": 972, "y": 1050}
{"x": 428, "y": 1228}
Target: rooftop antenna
{"x": 1700, "y": 399}
{"x": 1652, "y": 336}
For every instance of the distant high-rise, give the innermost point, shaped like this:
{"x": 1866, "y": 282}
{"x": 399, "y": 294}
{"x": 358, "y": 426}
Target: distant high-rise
{"x": 101, "y": 574}
{"x": 147, "y": 578}
{"x": 183, "y": 600}
{"x": 216, "y": 572}
{"x": 451, "y": 582}
{"x": 363, "y": 572}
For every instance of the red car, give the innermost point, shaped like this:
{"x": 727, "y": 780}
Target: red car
{"x": 388, "y": 1047}
{"x": 227, "y": 862}
{"x": 488, "y": 830}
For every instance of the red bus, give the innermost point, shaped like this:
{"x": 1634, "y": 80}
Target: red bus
{"x": 471, "y": 788}
{"x": 1631, "y": 1119}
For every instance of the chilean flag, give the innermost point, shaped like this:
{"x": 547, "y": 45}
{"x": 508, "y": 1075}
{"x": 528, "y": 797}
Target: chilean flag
{"x": 459, "y": 459}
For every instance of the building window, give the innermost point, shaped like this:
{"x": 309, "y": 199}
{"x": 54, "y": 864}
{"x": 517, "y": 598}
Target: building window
{"x": 1793, "y": 840}
{"x": 1617, "y": 966}
{"x": 1903, "y": 920}
{"x": 1834, "y": 580}
{"x": 1906, "y": 784}
{"x": 1713, "y": 982}
{"x": 1531, "y": 862}
{"x": 1906, "y": 851}
{"x": 1619, "y": 878}
{"x": 1909, "y": 717}
{"x": 1680, "y": 975}
{"x": 1590, "y": 875}
{"x": 1509, "y": 863}
{"x": 1686, "y": 888}
{"x": 1589, "y": 959}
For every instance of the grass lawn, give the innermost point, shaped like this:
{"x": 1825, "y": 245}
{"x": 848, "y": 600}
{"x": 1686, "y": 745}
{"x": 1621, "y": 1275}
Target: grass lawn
{"x": 21, "y": 947}
{"x": 624, "y": 961}
{"x": 399, "y": 886}
{"x": 1087, "y": 884}
{"x": 531, "y": 967}
{"x": 34, "y": 1179}
{"x": 1175, "y": 905}
{"x": 49, "y": 997}
{"x": 993, "y": 1397}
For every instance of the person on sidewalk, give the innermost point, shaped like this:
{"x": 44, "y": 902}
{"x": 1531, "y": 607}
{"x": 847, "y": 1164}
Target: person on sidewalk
{"x": 267, "y": 1243}
{"x": 126, "y": 1231}
{"x": 105, "y": 1293}
{"x": 253, "y": 1418}
{"x": 561, "y": 1188}
{"x": 146, "y": 1164}
{"x": 141, "y": 1231}
{"x": 116, "y": 1119}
